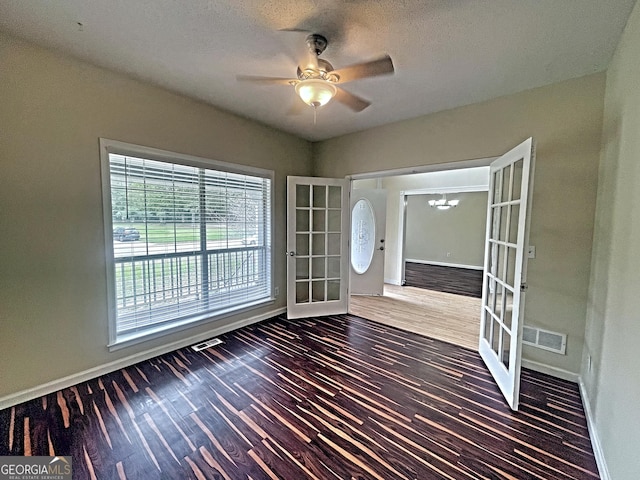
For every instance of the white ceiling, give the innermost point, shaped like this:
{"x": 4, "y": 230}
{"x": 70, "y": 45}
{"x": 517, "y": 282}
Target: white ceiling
{"x": 447, "y": 53}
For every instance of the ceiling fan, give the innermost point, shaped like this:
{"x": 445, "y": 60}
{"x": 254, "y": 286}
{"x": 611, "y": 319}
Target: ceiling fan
{"x": 317, "y": 82}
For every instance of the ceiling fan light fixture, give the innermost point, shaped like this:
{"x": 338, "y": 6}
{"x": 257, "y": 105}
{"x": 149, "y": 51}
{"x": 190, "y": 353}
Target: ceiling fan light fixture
{"x": 315, "y": 91}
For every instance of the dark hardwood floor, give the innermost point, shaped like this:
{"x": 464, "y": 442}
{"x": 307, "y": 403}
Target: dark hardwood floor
{"x": 459, "y": 281}
{"x": 336, "y": 397}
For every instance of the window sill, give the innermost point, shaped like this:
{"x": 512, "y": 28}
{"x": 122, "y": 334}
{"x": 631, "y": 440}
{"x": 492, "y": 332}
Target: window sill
{"x": 128, "y": 340}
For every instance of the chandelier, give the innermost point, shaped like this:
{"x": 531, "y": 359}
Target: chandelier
{"x": 443, "y": 203}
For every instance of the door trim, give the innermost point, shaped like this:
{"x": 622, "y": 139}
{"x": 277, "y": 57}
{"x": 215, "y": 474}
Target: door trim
{"x": 435, "y": 167}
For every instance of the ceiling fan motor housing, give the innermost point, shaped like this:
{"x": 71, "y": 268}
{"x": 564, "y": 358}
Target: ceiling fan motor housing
{"x": 317, "y": 43}
{"x": 322, "y": 71}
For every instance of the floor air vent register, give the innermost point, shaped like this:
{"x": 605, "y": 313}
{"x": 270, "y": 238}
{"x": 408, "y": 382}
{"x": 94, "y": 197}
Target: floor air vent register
{"x": 545, "y": 339}
{"x": 212, "y": 342}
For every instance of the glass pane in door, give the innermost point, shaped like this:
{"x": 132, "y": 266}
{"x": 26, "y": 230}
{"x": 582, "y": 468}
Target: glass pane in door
{"x": 303, "y": 196}
{"x": 506, "y": 342}
{"x": 319, "y": 196}
{"x": 318, "y": 291}
{"x": 363, "y": 235}
{"x": 302, "y": 268}
{"x": 302, "y": 220}
{"x": 302, "y": 244}
{"x": 302, "y": 292}
{"x": 517, "y": 179}
{"x": 335, "y": 197}
{"x": 319, "y": 220}
{"x": 333, "y": 290}
{"x": 514, "y": 218}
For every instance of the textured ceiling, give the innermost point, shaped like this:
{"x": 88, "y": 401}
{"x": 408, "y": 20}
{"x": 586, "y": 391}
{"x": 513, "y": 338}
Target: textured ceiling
{"x": 447, "y": 53}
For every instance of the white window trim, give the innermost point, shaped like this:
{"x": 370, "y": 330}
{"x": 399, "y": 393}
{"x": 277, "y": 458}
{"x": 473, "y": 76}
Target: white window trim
{"x": 107, "y": 147}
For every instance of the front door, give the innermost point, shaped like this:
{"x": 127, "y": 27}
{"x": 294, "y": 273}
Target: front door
{"x": 317, "y": 246}
{"x": 505, "y": 268}
{"x": 368, "y": 224}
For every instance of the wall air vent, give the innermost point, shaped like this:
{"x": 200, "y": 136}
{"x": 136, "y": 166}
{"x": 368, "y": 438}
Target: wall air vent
{"x": 212, "y": 342}
{"x": 545, "y": 339}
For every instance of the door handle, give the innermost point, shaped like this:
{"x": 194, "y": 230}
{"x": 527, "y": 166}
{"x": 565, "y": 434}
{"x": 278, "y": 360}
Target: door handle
{"x": 291, "y": 253}
{"x": 381, "y": 248}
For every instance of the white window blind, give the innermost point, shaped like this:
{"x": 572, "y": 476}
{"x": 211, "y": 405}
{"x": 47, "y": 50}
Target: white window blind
{"x": 189, "y": 242}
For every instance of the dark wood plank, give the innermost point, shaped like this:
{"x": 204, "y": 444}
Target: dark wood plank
{"x": 321, "y": 398}
{"x": 460, "y": 281}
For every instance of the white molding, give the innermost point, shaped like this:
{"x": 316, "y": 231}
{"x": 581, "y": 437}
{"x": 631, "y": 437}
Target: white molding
{"x": 402, "y": 228}
{"x": 437, "y": 167}
{"x": 549, "y": 370}
{"x": 443, "y": 190}
{"x": 598, "y": 452}
{"x": 392, "y": 281}
{"x": 194, "y": 321}
{"x": 443, "y": 264}
{"x": 70, "y": 380}
{"x": 123, "y": 148}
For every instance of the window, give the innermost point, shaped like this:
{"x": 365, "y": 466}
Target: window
{"x": 190, "y": 239}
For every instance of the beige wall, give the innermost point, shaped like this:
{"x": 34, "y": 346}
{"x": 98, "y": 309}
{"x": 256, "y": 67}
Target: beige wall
{"x": 458, "y": 232}
{"x": 53, "y": 307}
{"x": 566, "y": 121}
{"x": 613, "y": 320}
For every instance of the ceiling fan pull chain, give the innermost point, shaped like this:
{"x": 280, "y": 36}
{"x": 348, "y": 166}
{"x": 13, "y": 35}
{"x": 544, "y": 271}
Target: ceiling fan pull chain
{"x": 315, "y": 115}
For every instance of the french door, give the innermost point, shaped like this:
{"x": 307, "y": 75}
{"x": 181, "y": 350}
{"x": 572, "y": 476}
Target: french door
{"x": 505, "y": 268}
{"x": 317, "y": 246}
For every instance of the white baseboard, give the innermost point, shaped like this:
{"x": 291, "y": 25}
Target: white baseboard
{"x": 392, "y": 281}
{"x": 549, "y": 370}
{"x": 443, "y": 264}
{"x": 598, "y": 453}
{"x": 70, "y": 380}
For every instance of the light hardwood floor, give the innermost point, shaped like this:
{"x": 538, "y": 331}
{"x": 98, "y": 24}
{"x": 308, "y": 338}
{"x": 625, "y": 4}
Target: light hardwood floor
{"x": 451, "y": 318}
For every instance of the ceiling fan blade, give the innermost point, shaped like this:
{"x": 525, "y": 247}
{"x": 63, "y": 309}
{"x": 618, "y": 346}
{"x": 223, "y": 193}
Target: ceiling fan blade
{"x": 265, "y": 80}
{"x": 352, "y": 101}
{"x": 381, "y": 66}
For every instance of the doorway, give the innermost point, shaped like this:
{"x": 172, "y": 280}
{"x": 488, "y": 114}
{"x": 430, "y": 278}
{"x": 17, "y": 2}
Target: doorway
{"x": 444, "y": 315}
